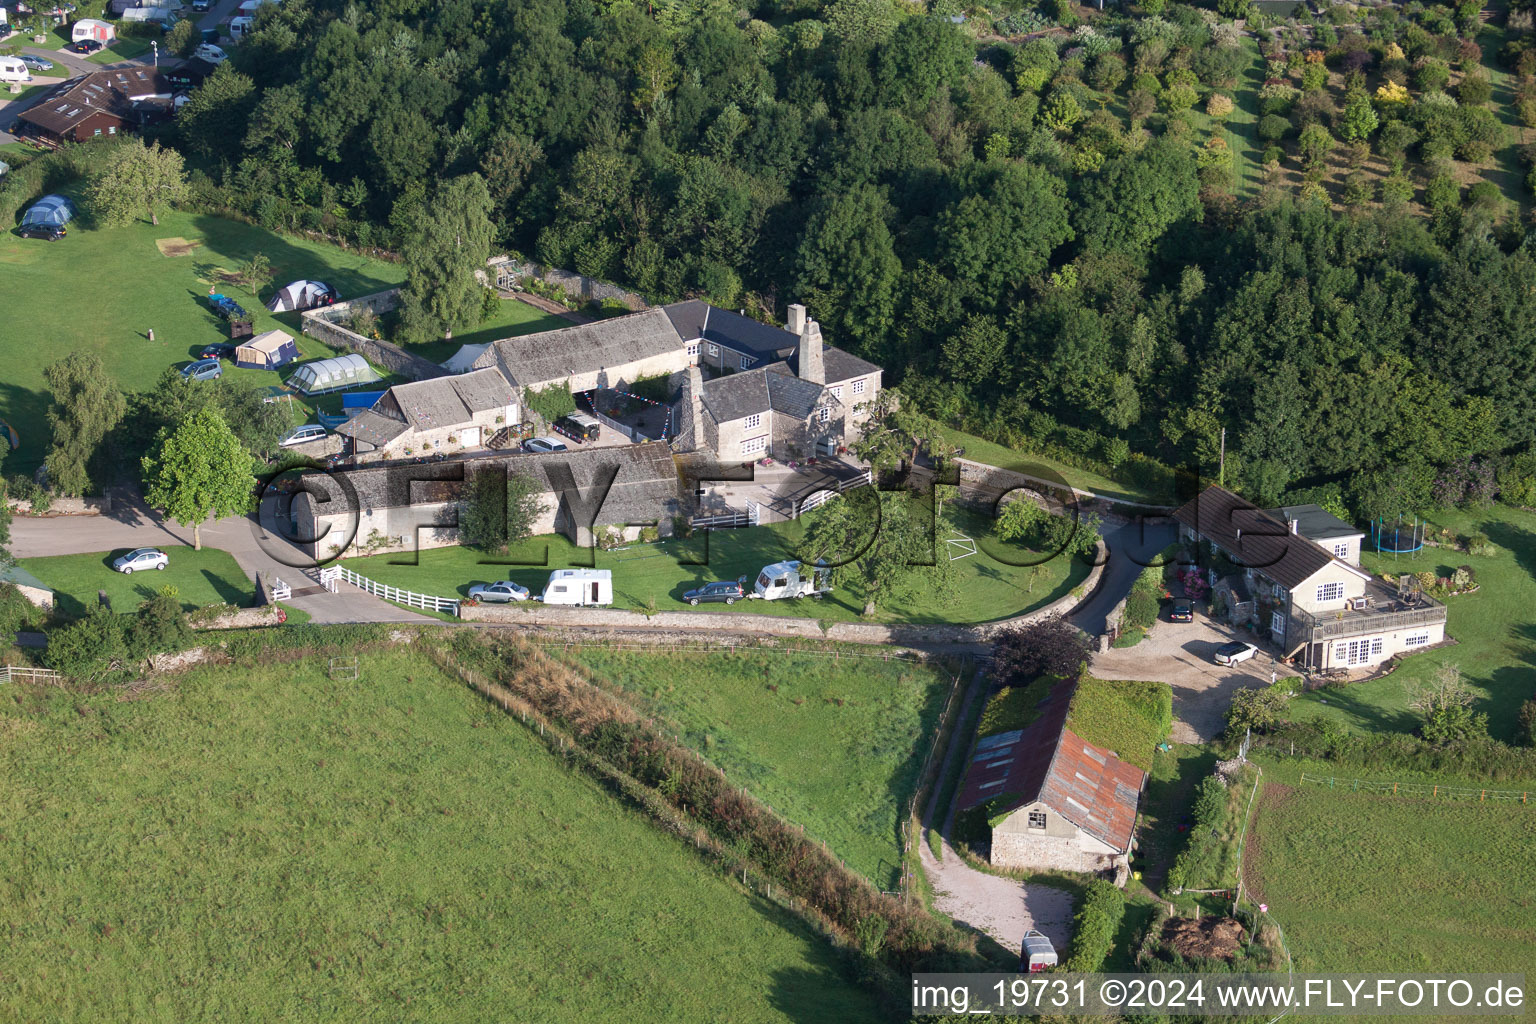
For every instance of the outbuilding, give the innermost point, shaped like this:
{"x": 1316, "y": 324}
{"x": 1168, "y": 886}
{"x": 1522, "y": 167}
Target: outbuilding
{"x": 51, "y": 209}
{"x": 335, "y": 374}
{"x": 267, "y": 351}
{"x": 91, "y": 28}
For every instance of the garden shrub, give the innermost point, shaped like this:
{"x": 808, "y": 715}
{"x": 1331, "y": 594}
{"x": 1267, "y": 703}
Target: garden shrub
{"x": 1094, "y": 927}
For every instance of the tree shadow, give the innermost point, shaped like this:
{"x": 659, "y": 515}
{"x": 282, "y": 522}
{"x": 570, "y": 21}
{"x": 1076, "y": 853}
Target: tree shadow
{"x": 26, "y": 411}
{"x": 350, "y": 272}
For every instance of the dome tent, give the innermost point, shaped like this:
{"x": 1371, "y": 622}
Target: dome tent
{"x": 333, "y": 374}
{"x": 53, "y": 209}
{"x": 301, "y": 295}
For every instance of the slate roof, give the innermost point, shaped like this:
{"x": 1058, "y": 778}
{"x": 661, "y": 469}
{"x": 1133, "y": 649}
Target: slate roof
{"x": 111, "y": 92}
{"x": 646, "y": 486}
{"x": 1049, "y": 763}
{"x": 696, "y": 320}
{"x": 789, "y": 394}
{"x": 447, "y": 401}
{"x": 372, "y": 428}
{"x": 1314, "y": 523}
{"x": 1255, "y": 538}
{"x": 20, "y": 577}
{"x": 841, "y": 366}
{"x": 736, "y": 395}
{"x": 537, "y": 359}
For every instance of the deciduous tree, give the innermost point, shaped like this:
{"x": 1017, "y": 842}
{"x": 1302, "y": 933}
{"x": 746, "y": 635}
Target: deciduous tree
{"x": 448, "y": 242}
{"x": 138, "y": 179}
{"x": 87, "y": 406}
{"x": 197, "y": 470}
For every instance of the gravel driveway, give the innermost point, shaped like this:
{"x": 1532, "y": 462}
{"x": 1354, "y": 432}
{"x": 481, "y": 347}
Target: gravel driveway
{"x": 1179, "y": 653}
{"x": 1004, "y": 908}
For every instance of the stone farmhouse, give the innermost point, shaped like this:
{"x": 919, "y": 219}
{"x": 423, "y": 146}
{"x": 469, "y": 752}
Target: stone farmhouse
{"x": 1305, "y": 592}
{"x": 1056, "y": 802}
{"x": 426, "y": 415}
{"x": 401, "y": 508}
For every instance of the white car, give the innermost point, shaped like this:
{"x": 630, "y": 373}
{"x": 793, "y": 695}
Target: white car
{"x": 141, "y": 558}
{"x": 543, "y": 445}
{"x": 1234, "y": 652}
{"x": 498, "y": 593}
{"x": 210, "y": 53}
{"x": 303, "y": 435}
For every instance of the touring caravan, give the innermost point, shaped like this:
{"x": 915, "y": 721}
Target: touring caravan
{"x": 239, "y": 26}
{"x": 13, "y": 70}
{"x": 587, "y": 587}
{"x": 791, "y": 579}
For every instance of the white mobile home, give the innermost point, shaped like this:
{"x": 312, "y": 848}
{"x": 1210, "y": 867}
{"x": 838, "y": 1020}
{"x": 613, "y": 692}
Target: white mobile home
{"x": 587, "y": 587}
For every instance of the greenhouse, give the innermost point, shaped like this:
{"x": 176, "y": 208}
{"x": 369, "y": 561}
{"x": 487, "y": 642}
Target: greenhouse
{"x": 334, "y": 374}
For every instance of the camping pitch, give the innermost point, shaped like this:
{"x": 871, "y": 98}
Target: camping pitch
{"x": 267, "y": 351}
{"x": 298, "y": 295}
{"x": 52, "y": 209}
{"x": 334, "y": 374}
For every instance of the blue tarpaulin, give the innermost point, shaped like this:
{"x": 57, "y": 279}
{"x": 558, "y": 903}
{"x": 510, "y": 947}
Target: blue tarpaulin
{"x": 361, "y": 399}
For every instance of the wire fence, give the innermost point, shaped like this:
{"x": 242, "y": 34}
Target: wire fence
{"x": 1429, "y": 789}
{"x": 727, "y": 645}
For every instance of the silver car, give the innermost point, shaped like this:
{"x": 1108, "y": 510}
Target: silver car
{"x": 540, "y": 445}
{"x": 141, "y": 558}
{"x": 303, "y": 435}
{"x": 498, "y": 593}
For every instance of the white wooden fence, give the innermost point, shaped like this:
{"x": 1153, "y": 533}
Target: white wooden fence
{"x": 332, "y": 573}
{"x": 280, "y": 590}
{"x": 21, "y": 673}
{"x": 753, "y": 516}
{"x": 816, "y": 499}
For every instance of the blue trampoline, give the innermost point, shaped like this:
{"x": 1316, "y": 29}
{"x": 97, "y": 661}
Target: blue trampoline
{"x": 55, "y": 209}
{"x": 1399, "y": 537}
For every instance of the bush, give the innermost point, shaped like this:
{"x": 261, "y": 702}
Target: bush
{"x": 1050, "y": 646}
{"x": 1140, "y": 609}
{"x": 1094, "y": 927}
{"x": 1274, "y": 127}
{"x": 1259, "y": 709}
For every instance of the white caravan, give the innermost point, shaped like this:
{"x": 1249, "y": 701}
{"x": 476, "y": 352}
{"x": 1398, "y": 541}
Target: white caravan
{"x": 588, "y": 587}
{"x": 791, "y": 579}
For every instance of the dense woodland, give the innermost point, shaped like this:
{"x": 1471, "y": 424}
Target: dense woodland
{"x": 1041, "y": 238}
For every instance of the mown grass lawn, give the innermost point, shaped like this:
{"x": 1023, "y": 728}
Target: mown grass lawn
{"x": 263, "y": 844}
{"x": 992, "y": 454}
{"x": 1378, "y": 883}
{"x": 660, "y": 573}
{"x": 1495, "y": 630}
{"x": 513, "y": 318}
{"x": 833, "y": 743}
{"x": 201, "y": 578}
{"x": 125, "y": 48}
{"x": 135, "y": 289}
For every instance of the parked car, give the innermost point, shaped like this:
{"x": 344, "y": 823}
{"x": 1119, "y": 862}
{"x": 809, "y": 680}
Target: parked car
{"x": 1183, "y": 611}
{"x": 141, "y": 558}
{"x": 498, "y": 593}
{"x": 580, "y": 427}
{"x": 730, "y": 593}
{"x": 36, "y": 63}
{"x": 201, "y": 5}
{"x": 1234, "y": 652}
{"x": 544, "y": 444}
{"x": 85, "y": 46}
{"x": 303, "y": 435}
{"x": 221, "y": 350}
{"x": 47, "y": 232}
{"x": 203, "y": 369}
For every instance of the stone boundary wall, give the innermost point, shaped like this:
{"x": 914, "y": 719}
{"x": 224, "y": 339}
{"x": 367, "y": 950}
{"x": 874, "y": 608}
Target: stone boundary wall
{"x": 67, "y": 507}
{"x": 507, "y": 272}
{"x": 536, "y": 614}
{"x": 327, "y": 324}
{"x": 244, "y": 618}
{"x": 995, "y": 481}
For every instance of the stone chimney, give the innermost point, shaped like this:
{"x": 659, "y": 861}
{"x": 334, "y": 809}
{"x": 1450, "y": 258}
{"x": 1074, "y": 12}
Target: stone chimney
{"x": 796, "y": 323}
{"x": 813, "y": 365}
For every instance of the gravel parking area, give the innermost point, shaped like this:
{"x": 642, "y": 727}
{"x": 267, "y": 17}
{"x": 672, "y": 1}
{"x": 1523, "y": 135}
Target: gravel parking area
{"x": 1179, "y": 653}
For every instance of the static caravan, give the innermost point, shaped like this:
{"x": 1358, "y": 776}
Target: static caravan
{"x": 13, "y": 70}
{"x": 586, "y": 587}
{"x": 90, "y": 28}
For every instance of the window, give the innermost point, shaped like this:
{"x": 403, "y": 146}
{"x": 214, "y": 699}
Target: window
{"x": 1376, "y": 646}
{"x": 98, "y": 131}
{"x": 837, "y": 392}
{"x": 755, "y": 420}
{"x": 1037, "y": 819}
{"x": 755, "y": 446}
{"x": 112, "y": 129}
{"x": 1277, "y": 623}
{"x": 1356, "y": 652}
{"x": 693, "y": 350}
{"x": 744, "y": 362}
{"x": 1330, "y": 592}
{"x": 826, "y": 414}
{"x": 1415, "y": 639}
{"x": 1341, "y": 550}
{"x": 858, "y": 387}
{"x": 713, "y": 350}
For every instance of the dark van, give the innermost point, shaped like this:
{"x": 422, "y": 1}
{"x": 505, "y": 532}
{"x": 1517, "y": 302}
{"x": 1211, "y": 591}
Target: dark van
{"x": 579, "y": 427}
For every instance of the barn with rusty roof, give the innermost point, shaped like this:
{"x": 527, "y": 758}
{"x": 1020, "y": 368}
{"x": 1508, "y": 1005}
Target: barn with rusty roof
{"x": 1055, "y": 802}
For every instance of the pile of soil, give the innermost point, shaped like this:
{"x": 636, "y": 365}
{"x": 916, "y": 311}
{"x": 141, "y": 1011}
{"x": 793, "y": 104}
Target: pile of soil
{"x": 1210, "y": 937}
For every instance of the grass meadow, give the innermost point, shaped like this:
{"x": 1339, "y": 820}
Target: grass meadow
{"x": 659, "y": 574}
{"x": 205, "y": 577}
{"x": 1364, "y": 883}
{"x": 263, "y": 844}
{"x": 1494, "y": 630}
{"x": 835, "y": 745}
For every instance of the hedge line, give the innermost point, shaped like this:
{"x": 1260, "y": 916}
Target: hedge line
{"x": 1095, "y": 925}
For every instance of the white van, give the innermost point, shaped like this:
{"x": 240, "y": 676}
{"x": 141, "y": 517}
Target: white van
{"x": 586, "y": 587}
{"x": 13, "y": 70}
{"x": 238, "y": 27}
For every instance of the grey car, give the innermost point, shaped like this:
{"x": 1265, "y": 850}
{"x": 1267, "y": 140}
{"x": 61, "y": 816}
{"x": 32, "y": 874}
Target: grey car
{"x": 36, "y": 63}
{"x": 498, "y": 593}
{"x": 203, "y": 369}
{"x": 141, "y": 558}
{"x": 540, "y": 445}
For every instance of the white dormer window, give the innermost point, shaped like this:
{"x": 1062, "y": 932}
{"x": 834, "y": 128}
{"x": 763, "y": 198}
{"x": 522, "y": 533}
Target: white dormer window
{"x": 755, "y": 420}
{"x": 1341, "y": 550}
{"x": 1330, "y": 592}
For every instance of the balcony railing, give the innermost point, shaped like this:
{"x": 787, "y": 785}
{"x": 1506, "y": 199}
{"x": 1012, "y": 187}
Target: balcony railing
{"x": 1355, "y": 623}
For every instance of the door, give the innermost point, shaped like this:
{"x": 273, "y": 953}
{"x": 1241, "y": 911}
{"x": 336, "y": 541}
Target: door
{"x": 594, "y": 592}
{"x": 471, "y": 437}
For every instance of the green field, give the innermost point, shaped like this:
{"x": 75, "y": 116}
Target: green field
{"x": 834, "y": 745}
{"x": 1495, "y": 630}
{"x": 512, "y": 319}
{"x": 1129, "y": 718}
{"x": 992, "y": 454}
{"x": 201, "y": 578}
{"x": 268, "y": 844}
{"x": 642, "y": 573}
{"x": 1371, "y": 883}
